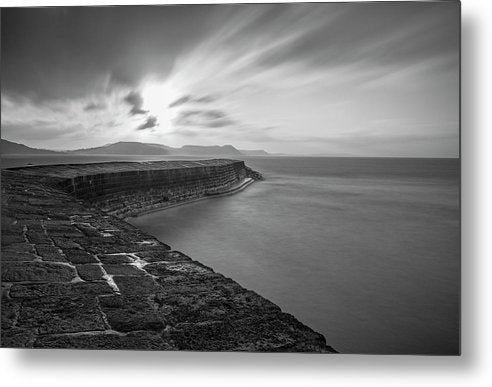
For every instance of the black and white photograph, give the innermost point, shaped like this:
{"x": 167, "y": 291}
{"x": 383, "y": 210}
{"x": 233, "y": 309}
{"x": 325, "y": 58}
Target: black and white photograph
{"x": 234, "y": 177}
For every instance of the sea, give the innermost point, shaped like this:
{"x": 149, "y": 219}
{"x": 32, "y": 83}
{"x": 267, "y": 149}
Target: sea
{"x": 365, "y": 251}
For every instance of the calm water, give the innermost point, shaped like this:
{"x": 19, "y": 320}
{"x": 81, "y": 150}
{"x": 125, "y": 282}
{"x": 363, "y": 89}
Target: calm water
{"x": 365, "y": 251}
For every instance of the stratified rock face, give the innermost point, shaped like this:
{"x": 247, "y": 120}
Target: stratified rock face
{"x": 74, "y": 276}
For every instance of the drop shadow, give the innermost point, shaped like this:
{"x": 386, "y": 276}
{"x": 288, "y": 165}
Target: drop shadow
{"x": 232, "y": 362}
{"x": 470, "y": 160}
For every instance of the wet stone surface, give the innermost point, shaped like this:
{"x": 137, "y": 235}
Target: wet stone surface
{"x": 137, "y": 340}
{"x": 129, "y": 313}
{"x": 61, "y": 314}
{"x": 36, "y": 272}
{"x": 74, "y": 276}
{"x": 49, "y": 252}
{"x": 79, "y": 256}
{"x": 160, "y": 256}
{"x": 114, "y": 259}
{"x": 90, "y": 272}
{"x": 125, "y": 270}
{"x": 17, "y": 256}
{"x": 18, "y": 292}
{"x": 136, "y": 285}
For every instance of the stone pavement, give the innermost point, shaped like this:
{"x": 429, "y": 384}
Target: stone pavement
{"x": 76, "y": 277}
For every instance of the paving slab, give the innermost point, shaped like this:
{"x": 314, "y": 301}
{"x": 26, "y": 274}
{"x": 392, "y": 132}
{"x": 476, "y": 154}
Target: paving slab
{"x": 131, "y": 313}
{"x": 145, "y": 340}
{"x": 90, "y": 272}
{"x": 61, "y": 314}
{"x": 36, "y": 272}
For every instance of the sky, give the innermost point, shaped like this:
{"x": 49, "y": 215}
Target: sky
{"x": 340, "y": 79}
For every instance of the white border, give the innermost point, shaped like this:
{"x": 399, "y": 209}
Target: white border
{"x": 83, "y": 368}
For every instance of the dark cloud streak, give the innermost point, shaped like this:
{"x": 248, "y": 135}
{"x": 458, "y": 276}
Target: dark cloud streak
{"x": 62, "y": 52}
{"x": 135, "y": 100}
{"x": 66, "y": 52}
{"x": 92, "y": 106}
{"x": 150, "y": 123}
{"x": 204, "y": 119}
{"x": 180, "y": 101}
{"x": 191, "y": 99}
{"x": 389, "y": 34}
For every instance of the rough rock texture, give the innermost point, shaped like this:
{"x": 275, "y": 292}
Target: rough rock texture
{"x": 74, "y": 276}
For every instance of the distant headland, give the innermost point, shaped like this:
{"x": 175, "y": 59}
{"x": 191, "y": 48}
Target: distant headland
{"x": 135, "y": 148}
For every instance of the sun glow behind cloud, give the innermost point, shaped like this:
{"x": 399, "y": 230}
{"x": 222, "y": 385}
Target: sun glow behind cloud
{"x": 157, "y": 97}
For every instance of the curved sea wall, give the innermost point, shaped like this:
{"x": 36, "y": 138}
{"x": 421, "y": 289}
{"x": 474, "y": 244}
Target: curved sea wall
{"x": 129, "y": 189}
{"x": 74, "y": 275}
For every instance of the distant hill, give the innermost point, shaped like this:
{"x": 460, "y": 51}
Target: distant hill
{"x": 12, "y": 148}
{"x": 126, "y": 148}
{"x": 137, "y": 148}
{"x": 214, "y": 150}
{"x": 254, "y": 152}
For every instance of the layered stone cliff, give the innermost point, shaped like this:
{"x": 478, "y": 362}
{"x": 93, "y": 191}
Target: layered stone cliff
{"x": 76, "y": 276}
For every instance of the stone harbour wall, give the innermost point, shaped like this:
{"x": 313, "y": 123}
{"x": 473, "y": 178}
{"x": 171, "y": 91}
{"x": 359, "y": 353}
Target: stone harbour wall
{"x": 130, "y": 189}
{"x": 76, "y": 276}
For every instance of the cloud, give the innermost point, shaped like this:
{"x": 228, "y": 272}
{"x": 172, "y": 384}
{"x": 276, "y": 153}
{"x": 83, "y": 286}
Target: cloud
{"x": 205, "y": 99}
{"x": 187, "y": 132}
{"x": 290, "y": 47}
{"x": 190, "y": 99}
{"x": 150, "y": 123}
{"x": 180, "y": 101}
{"x": 92, "y": 106}
{"x": 43, "y": 132}
{"x": 234, "y": 71}
{"x": 135, "y": 100}
{"x": 203, "y": 118}
{"x": 214, "y": 114}
{"x": 62, "y": 52}
{"x": 65, "y": 124}
{"x": 390, "y": 138}
{"x": 238, "y": 133}
{"x": 108, "y": 124}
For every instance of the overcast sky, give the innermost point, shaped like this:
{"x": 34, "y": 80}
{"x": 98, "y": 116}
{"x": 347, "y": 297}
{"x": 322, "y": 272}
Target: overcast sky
{"x": 373, "y": 79}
